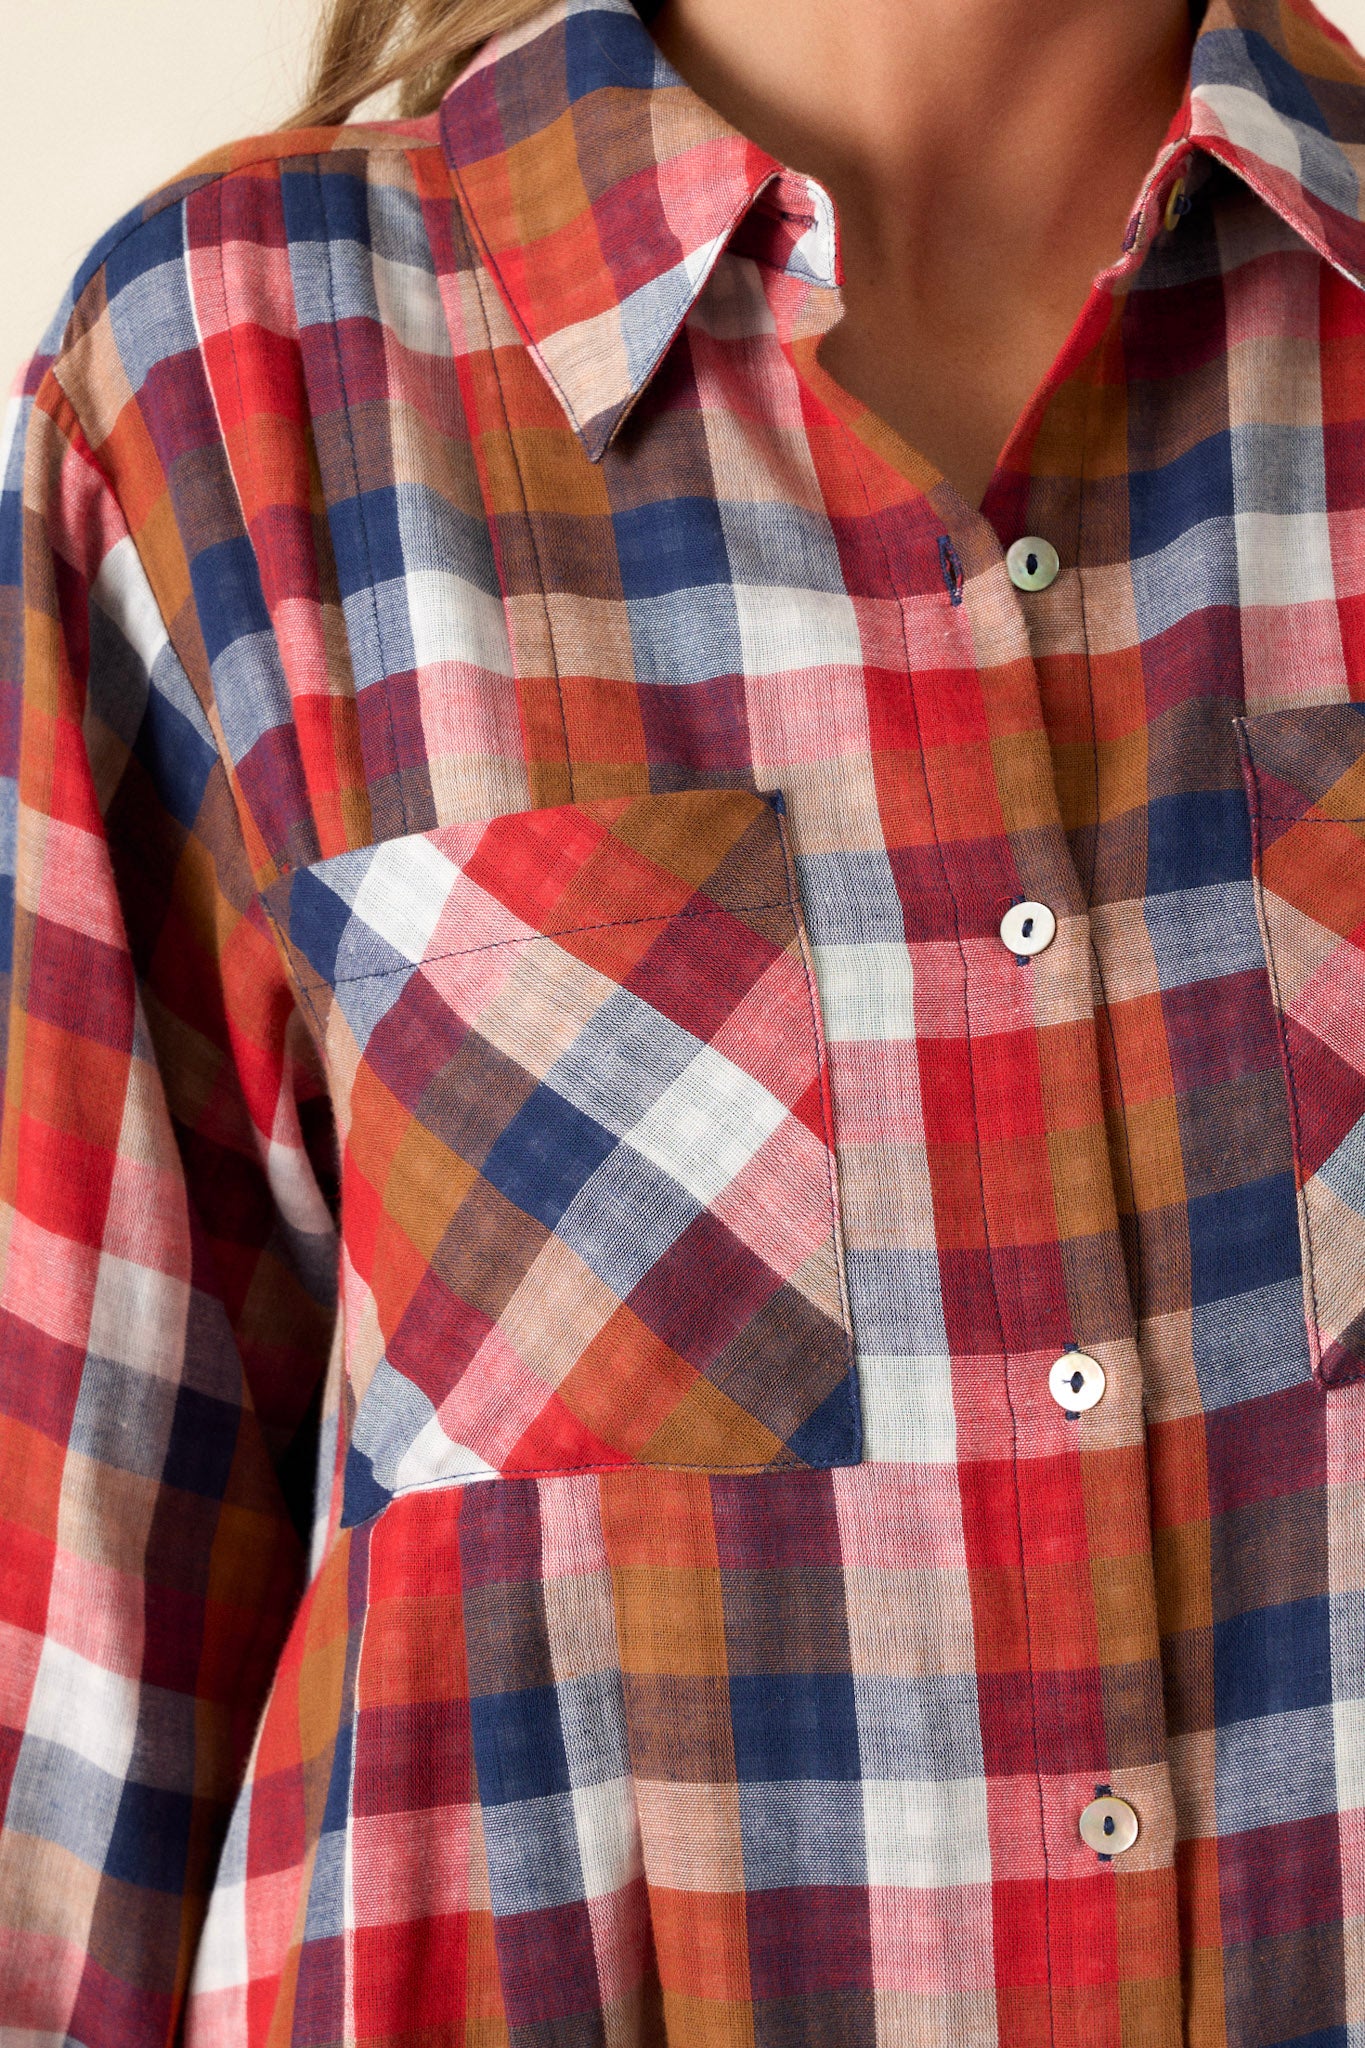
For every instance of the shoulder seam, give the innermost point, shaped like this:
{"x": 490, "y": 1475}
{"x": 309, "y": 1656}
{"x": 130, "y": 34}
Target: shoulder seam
{"x": 178, "y": 191}
{"x": 191, "y": 181}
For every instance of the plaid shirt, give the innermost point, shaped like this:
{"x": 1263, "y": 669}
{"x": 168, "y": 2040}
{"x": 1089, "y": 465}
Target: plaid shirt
{"x": 561, "y": 1230}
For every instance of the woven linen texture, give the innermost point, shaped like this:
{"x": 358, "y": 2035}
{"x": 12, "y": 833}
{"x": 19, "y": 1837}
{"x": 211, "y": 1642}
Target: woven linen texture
{"x": 536, "y": 1209}
{"x": 587, "y": 1144}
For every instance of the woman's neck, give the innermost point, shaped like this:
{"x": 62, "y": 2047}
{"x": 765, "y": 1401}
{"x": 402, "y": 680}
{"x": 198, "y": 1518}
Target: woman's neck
{"x": 983, "y": 157}
{"x": 983, "y": 119}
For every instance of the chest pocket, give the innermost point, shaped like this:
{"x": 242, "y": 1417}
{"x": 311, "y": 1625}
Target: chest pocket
{"x": 1305, "y": 778}
{"x": 589, "y": 1214}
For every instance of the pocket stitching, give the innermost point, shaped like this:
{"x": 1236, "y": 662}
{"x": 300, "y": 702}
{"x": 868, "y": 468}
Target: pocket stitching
{"x": 610, "y": 924}
{"x": 293, "y": 958}
{"x": 827, "y": 1123}
{"x": 1258, "y": 816}
{"x": 789, "y": 903}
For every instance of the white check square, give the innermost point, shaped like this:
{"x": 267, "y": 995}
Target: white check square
{"x": 706, "y": 1128}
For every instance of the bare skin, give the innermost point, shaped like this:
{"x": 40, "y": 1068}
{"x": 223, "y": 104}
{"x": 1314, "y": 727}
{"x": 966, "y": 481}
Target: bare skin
{"x": 983, "y": 157}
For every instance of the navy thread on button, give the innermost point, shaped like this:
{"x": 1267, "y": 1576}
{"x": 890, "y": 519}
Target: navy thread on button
{"x": 952, "y": 568}
{"x": 1022, "y": 959}
{"x": 1077, "y": 1382}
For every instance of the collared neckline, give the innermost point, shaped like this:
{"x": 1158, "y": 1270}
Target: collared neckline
{"x": 1278, "y": 95}
{"x": 601, "y": 190}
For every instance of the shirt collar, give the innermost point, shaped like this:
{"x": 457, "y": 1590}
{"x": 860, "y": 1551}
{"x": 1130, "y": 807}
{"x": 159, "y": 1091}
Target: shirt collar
{"x": 601, "y": 190}
{"x": 1278, "y": 95}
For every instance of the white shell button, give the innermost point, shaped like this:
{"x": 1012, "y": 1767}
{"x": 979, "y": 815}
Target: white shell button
{"x": 1109, "y": 1826}
{"x": 1032, "y": 563}
{"x": 1027, "y": 927}
{"x": 1076, "y": 1382}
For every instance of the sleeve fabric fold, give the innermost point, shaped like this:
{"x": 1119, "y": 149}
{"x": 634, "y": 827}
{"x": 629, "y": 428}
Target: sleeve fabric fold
{"x": 167, "y": 1252}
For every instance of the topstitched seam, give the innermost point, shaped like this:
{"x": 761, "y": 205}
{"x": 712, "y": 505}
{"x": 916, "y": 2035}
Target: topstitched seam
{"x": 827, "y": 1125}
{"x": 510, "y": 441}
{"x": 1139, "y": 1261}
{"x": 1336, "y": 1379}
{"x": 609, "y": 924}
{"x": 333, "y": 330}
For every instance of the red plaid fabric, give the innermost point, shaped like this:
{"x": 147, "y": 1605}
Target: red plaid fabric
{"x": 625, "y": 1414}
{"x": 603, "y": 1018}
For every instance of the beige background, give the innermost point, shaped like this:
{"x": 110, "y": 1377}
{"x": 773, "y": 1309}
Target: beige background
{"x": 102, "y": 99}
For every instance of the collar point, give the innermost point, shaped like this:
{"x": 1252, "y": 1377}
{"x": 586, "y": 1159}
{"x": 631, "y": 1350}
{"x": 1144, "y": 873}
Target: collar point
{"x": 596, "y": 435}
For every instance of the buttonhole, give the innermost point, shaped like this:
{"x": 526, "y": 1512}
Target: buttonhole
{"x": 1028, "y": 927}
{"x": 1031, "y": 564}
{"x": 952, "y": 568}
{"x": 1077, "y": 1382}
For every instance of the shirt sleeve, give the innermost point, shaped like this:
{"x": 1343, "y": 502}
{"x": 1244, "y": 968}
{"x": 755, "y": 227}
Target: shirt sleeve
{"x": 167, "y": 1270}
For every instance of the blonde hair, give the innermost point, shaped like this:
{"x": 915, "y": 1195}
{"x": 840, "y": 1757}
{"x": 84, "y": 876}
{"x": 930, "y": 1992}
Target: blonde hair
{"x": 370, "y": 46}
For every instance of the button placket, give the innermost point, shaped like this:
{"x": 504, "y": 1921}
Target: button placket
{"x": 989, "y": 624}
